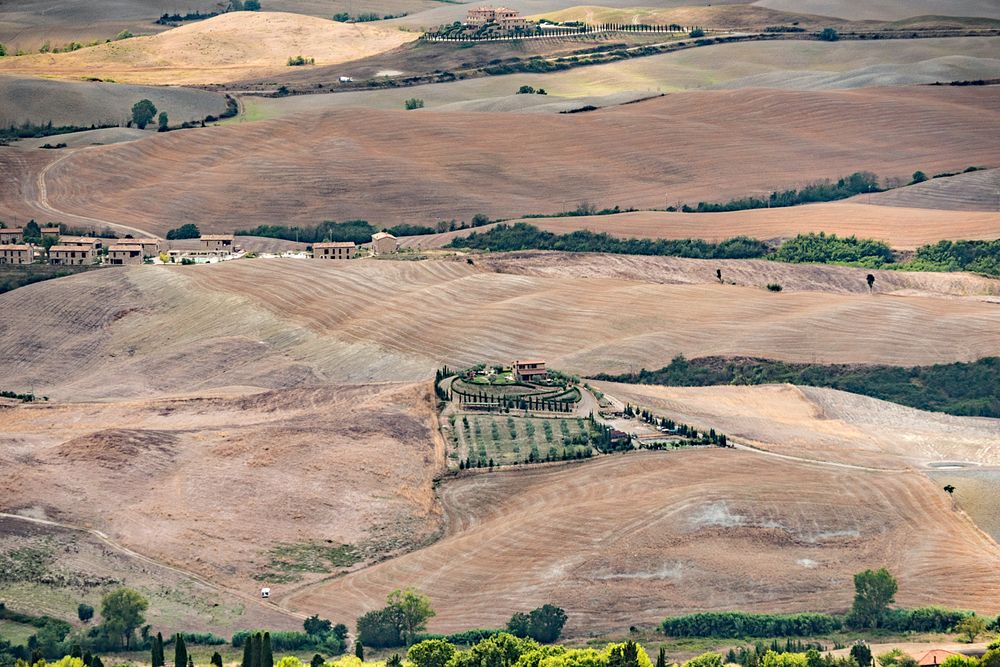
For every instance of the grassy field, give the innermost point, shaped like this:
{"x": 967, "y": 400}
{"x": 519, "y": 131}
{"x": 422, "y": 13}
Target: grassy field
{"x": 16, "y": 633}
{"x": 508, "y": 440}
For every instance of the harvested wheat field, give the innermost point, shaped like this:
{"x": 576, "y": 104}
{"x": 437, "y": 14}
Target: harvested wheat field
{"x": 275, "y": 324}
{"x": 823, "y": 424}
{"x": 903, "y": 228}
{"x": 233, "y": 46}
{"x": 719, "y": 17}
{"x": 626, "y": 540}
{"x": 886, "y": 10}
{"x": 196, "y": 480}
{"x": 744, "y": 272}
{"x": 85, "y": 103}
{"x": 974, "y": 191}
{"x": 420, "y": 164}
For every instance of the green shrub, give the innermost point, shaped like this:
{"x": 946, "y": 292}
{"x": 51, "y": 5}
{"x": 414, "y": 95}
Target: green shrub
{"x": 731, "y": 624}
{"x": 413, "y": 103}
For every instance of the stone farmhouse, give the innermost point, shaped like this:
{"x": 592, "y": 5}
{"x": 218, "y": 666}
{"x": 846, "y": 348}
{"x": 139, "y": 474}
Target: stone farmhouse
{"x": 72, "y": 255}
{"x": 384, "y": 243}
{"x": 122, "y": 254}
{"x": 15, "y": 235}
{"x": 504, "y": 17}
{"x": 92, "y": 242}
{"x": 335, "y": 250}
{"x": 529, "y": 370}
{"x": 224, "y": 243}
{"x": 16, "y": 254}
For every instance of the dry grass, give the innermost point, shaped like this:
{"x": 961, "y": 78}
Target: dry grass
{"x": 719, "y": 17}
{"x": 213, "y": 480}
{"x": 230, "y": 47}
{"x": 903, "y": 228}
{"x": 975, "y": 191}
{"x": 417, "y": 167}
{"x": 886, "y": 10}
{"x": 626, "y": 540}
{"x": 117, "y": 332}
{"x": 749, "y": 273}
{"x": 87, "y": 103}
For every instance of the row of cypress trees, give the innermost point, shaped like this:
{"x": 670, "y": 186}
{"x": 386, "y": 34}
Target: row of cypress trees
{"x": 181, "y": 657}
{"x": 257, "y": 651}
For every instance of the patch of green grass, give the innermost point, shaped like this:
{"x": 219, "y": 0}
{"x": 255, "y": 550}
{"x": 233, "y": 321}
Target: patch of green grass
{"x": 16, "y": 633}
{"x": 289, "y": 561}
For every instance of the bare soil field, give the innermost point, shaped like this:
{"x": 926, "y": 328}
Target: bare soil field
{"x": 886, "y": 10}
{"x": 244, "y": 488}
{"x": 977, "y": 492}
{"x": 626, "y": 540}
{"x": 744, "y": 272}
{"x": 74, "y": 566}
{"x": 274, "y": 324}
{"x": 799, "y": 65}
{"x": 420, "y": 163}
{"x": 903, "y": 228}
{"x": 975, "y": 191}
{"x": 27, "y": 24}
{"x": 86, "y": 103}
{"x": 229, "y": 47}
{"x": 821, "y": 424}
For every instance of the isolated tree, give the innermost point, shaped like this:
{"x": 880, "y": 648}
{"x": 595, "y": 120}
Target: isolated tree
{"x": 697, "y": 32}
{"x": 317, "y": 660}
{"x": 163, "y": 122}
{"x": 411, "y": 609}
{"x": 949, "y": 489}
{"x": 216, "y": 659}
{"x": 431, "y": 653}
{"x": 413, "y": 103}
{"x": 871, "y": 281}
{"x": 918, "y": 177}
{"x": 829, "y": 35}
{"x": 122, "y": 611}
{"x": 84, "y": 611}
{"x": 359, "y": 651}
{"x": 971, "y": 627}
{"x": 316, "y": 626}
{"x": 266, "y": 656}
{"x": 143, "y": 113}
{"x": 180, "y": 651}
{"x": 874, "y": 591}
{"x": 546, "y": 623}
{"x": 526, "y": 90}
{"x": 861, "y": 654}
{"x": 718, "y": 275}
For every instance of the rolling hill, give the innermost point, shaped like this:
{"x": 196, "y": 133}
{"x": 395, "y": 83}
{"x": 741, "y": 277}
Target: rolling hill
{"x": 421, "y": 164}
{"x": 229, "y": 47}
{"x": 973, "y": 191}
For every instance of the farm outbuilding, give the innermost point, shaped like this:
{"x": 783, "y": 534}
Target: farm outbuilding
{"x": 384, "y": 243}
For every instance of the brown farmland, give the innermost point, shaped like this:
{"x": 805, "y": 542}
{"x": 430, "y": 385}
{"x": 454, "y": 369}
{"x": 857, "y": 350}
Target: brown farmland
{"x": 420, "y": 165}
{"x": 296, "y": 322}
{"x": 626, "y": 540}
{"x": 904, "y": 228}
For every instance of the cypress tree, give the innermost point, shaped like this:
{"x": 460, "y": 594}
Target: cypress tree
{"x": 217, "y": 659}
{"x": 247, "y": 648}
{"x": 359, "y": 650}
{"x": 180, "y": 651}
{"x": 158, "y": 659}
{"x": 661, "y": 659}
{"x": 97, "y": 662}
{"x": 255, "y": 653}
{"x": 266, "y": 657}
{"x": 190, "y": 661}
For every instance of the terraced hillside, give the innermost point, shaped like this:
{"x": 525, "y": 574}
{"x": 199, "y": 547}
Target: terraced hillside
{"x": 420, "y": 164}
{"x": 118, "y": 332}
{"x": 229, "y": 47}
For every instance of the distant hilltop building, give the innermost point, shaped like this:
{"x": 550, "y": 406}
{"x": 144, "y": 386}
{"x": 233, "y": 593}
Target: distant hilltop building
{"x": 506, "y": 18}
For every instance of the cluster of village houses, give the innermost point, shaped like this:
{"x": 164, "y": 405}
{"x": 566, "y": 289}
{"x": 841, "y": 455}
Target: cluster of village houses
{"x": 504, "y": 17}
{"x": 89, "y": 250}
